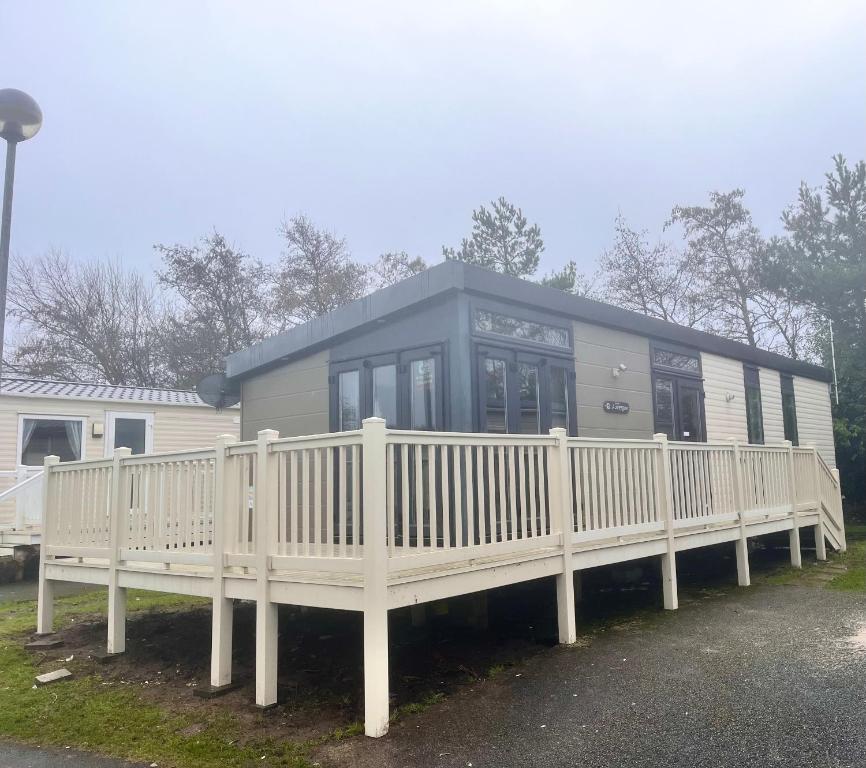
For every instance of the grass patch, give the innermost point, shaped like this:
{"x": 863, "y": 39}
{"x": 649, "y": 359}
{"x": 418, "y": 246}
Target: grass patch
{"x": 854, "y": 579}
{"x": 416, "y": 707}
{"x": 84, "y": 713}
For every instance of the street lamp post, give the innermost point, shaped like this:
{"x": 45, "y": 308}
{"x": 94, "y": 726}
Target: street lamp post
{"x": 20, "y": 119}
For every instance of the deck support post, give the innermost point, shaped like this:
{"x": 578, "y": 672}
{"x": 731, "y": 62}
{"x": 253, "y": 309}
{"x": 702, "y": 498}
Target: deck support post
{"x": 45, "y": 604}
{"x": 744, "y": 578}
{"x": 794, "y": 539}
{"x": 666, "y": 503}
{"x": 375, "y": 565}
{"x": 266, "y": 531}
{"x": 222, "y": 616}
{"x": 119, "y": 501}
{"x": 820, "y": 543}
{"x": 559, "y": 486}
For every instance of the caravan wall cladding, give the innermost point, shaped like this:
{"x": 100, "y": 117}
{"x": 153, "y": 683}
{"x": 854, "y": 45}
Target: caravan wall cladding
{"x": 296, "y": 398}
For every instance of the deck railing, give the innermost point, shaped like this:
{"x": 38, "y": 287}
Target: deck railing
{"x": 446, "y": 497}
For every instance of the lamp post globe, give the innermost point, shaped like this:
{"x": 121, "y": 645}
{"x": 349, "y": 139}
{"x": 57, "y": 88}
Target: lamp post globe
{"x": 20, "y": 119}
{"x": 20, "y": 116}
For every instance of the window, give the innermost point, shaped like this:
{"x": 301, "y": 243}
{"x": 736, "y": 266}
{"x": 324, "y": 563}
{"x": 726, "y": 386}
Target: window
{"x": 498, "y": 324}
{"x": 385, "y": 393}
{"x": 558, "y": 397}
{"x": 41, "y": 436}
{"x": 789, "y": 410}
{"x": 754, "y": 413}
{"x": 423, "y": 407}
{"x": 128, "y": 429}
{"x": 349, "y": 401}
{"x": 496, "y": 404}
{"x": 681, "y": 361}
{"x": 519, "y": 393}
{"x": 404, "y": 388}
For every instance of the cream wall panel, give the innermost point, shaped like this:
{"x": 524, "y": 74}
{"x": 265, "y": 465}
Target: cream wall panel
{"x": 597, "y": 351}
{"x": 293, "y": 399}
{"x": 771, "y": 404}
{"x": 725, "y": 417}
{"x": 814, "y": 417}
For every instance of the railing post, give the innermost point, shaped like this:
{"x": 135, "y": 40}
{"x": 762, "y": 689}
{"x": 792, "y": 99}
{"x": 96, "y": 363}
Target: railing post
{"x": 820, "y": 542}
{"x": 119, "y": 519}
{"x": 375, "y": 567}
{"x": 267, "y": 613}
{"x": 744, "y": 578}
{"x": 796, "y": 555}
{"x": 842, "y": 540}
{"x": 666, "y": 498}
{"x": 20, "y": 503}
{"x": 223, "y": 608}
{"x": 45, "y": 604}
{"x": 559, "y": 467}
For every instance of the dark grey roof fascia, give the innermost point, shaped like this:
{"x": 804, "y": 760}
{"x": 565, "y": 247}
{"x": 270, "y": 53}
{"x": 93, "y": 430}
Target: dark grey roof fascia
{"x": 325, "y": 330}
{"x": 450, "y": 276}
{"x": 486, "y": 282}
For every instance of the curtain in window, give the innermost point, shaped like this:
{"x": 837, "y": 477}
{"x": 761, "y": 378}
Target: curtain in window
{"x": 26, "y": 433}
{"x": 73, "y": 435}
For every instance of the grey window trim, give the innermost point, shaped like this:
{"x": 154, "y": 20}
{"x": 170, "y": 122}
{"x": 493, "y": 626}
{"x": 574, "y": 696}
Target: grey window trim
{"x": 786, "y": 385}
{"x": 512, "y": 357}
{"x": 752, "y": 381}
{"x": 401, "y": 359}
{"x": 677, "y": 349}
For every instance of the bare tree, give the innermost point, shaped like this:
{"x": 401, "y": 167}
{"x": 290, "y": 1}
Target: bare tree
{"x": 316, "y": 273}
{"x": 86, "y": 322}
{"x": 394, "y": 266}
{"x": 725, "y": 250}
{"x": 224, "y": 304}
{"x": 651, "y": 279}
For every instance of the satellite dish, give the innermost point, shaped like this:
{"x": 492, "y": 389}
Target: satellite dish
{"x": 218, "y": 391}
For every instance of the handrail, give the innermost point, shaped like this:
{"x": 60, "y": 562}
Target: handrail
{"x": 11, "y": 493}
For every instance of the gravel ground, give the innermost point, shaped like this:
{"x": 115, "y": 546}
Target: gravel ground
{"x": 765, "y": 676}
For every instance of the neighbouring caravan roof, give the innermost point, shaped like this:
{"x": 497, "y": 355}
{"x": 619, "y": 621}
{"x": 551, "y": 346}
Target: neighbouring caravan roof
{"x": 454, "y": 276}
{"x": 74, "y": 390}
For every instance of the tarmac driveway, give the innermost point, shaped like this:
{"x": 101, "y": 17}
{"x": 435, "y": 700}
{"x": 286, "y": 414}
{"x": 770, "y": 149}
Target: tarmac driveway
{"x": 763, "y": 676}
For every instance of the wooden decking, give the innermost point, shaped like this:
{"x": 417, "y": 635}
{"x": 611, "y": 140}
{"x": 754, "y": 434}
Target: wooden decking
{"x": 378, "y": 519}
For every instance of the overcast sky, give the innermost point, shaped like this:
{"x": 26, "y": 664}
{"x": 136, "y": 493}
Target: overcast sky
{"x": 389, "y": 122}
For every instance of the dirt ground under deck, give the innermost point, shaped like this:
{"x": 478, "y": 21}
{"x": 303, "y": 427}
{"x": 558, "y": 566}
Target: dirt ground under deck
{"x": 749, "y": 677}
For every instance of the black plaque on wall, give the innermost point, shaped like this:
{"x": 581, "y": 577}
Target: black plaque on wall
{"x": 616, "y": 406}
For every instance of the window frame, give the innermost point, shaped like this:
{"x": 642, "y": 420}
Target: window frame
{"x": 514, "y": 357}
{"x": 402, "y": 360}
{"x": 48, "y": 417}
{"x": 110, "y": 416}
{"x": 679, "y": 350}
{"x": 786, "y": 387}
{"x": 516, "y": 313}
{"x": 752, "y": 381}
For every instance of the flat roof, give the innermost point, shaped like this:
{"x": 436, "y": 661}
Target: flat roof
{"x": 456, "y": 276}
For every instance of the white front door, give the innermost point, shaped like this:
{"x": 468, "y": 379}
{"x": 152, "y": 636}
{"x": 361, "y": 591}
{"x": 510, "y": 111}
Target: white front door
{"x": 126, "y": 429}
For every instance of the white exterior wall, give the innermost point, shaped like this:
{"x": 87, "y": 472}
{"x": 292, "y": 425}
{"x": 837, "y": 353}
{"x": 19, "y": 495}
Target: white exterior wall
{"x": 814, "y": 417}
{"x": 725, "y": 418}
{"x": 771, "y": 404}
